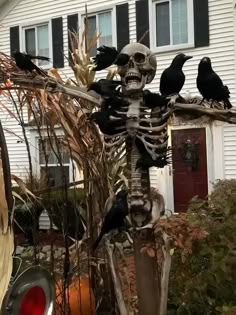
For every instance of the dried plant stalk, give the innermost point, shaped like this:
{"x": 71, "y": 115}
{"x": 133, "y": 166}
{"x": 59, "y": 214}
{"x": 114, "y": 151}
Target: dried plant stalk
{"x": 6, "y": 261}
{"x": 4, "y": 216}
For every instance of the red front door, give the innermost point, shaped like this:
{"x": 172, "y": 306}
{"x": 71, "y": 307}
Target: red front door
{"x": 189, "y": 165}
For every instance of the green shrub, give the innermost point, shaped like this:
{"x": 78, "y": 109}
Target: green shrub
{"x": 205, "y": 281}
{"x": 63, "y": 209}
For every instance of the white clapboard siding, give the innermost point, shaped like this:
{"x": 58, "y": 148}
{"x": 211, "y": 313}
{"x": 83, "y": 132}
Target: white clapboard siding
{"x": 221, "y": 51}
{"x": 230, "y": 151}
{"x": 14, "y": 138}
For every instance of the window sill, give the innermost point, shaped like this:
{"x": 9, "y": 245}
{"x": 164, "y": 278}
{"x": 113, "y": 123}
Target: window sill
{"x": 165, "y": 49}
{"x": 47, "y": 67}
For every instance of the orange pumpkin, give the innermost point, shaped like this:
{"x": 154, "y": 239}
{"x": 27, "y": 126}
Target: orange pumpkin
{"x": 81, "y": 301}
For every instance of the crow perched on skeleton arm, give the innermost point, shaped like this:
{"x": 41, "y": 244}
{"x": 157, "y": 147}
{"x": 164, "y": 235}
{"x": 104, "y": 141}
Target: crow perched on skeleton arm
{"x": 172, "y": 79}
{"x": 114, "y": 218}
{"x": 109, "y": 121}
{"x": 153, "y": 100}
{"x": 105, "y": 88}
{"x": 210, "y": 84}
{"x": 24, "y": 62}
{"x": 107, "y": 126}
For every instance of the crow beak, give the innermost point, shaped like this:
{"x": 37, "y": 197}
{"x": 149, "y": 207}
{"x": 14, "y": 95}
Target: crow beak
{"x": 205, "y": 60}
{"x": 188, "y": 57}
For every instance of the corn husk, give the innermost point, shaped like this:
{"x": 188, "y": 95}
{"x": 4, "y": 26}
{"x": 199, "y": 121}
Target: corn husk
{"x": 6, "y": 241}
{"x": 6, "y": 261}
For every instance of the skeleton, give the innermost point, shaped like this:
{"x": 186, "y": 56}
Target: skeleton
{"x": 149, "y": 126}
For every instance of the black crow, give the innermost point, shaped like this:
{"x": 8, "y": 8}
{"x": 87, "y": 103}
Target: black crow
{"x": 105, "y": 88}
{"x": 24, "y": 62}
{"x": 115, "y": 216}
{"x": 153, "y": 100}
{"x": 210, "y": 84}
{"x": 108, "y": 56}
{"x": 114, "y": 102}
{"x": 105, "y": 58}
{"x": 107, "y": 126}
{"x": 173, "y": 78}
{"x": 147, "y": 161}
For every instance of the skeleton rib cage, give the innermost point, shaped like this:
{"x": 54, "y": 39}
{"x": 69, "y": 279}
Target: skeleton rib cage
{"x": 150, "y": 128}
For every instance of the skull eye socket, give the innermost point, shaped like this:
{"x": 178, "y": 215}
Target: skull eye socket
{"x": 139, "y": 58}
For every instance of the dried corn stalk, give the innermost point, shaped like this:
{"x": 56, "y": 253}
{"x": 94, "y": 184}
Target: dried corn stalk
{"x": 6, "y": 261}
{"x": 3, "y": 204}
{"x": 6, "y": 241}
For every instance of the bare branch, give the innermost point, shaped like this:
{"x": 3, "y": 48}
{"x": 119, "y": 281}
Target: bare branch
{"x": 116, "y": 280}
{"x": 218, "y": 114}
{"x": 165, "y": 273}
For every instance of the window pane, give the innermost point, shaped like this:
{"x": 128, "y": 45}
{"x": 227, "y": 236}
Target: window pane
{"x": 179, "y": 21}
{"x": 43, "y": 43}
{"x": 52, "y": 152}
{"x": 55, "y": 175}
{"x": 92, "y": 31}
{"x": 30, "y": 41}
{"x": 105, "y": 29}
{"x": 163, "y": 24}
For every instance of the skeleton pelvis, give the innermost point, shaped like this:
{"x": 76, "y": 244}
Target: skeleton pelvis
{"x": 140, "y": 210}
{"x": 140, "y": 218}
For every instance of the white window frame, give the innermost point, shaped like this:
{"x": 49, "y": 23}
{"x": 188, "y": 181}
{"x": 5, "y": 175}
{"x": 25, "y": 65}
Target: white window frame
{"x": 100, "y": 11}
{"x": 24, "y": 27}
{"x": 152, "y": 19}
{"x": 52, "y": 164}
{"x": 34, "y": 150}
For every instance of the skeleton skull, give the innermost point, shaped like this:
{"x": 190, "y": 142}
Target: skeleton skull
{"x": 140, "y": 68}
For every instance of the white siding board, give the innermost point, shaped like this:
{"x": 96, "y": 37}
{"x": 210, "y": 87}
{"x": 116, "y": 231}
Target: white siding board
{"x": 221, "y": 51}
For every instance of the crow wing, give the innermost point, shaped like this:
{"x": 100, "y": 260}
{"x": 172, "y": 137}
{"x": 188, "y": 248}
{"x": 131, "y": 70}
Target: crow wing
{"x": 172, "y": 81}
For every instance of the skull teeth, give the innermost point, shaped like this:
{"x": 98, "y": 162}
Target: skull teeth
{"x": 133, "y": 76}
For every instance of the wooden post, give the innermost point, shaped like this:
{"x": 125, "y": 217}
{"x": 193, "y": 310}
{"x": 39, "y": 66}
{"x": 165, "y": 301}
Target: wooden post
{"x": 147, "y": 276}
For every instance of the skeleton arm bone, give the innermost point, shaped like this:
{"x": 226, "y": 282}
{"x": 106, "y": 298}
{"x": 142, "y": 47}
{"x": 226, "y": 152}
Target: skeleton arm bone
{"x": 53, "y": 86}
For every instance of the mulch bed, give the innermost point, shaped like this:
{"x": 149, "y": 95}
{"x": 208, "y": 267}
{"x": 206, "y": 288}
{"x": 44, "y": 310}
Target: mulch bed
{"x": 43, "y": 238}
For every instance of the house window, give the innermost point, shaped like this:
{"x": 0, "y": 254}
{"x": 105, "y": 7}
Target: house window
{"x": 100, "y": 23}
{"x": 53, "y": 173}
{"x": 173, "y": 22}
{"x": 36, "y": 42}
